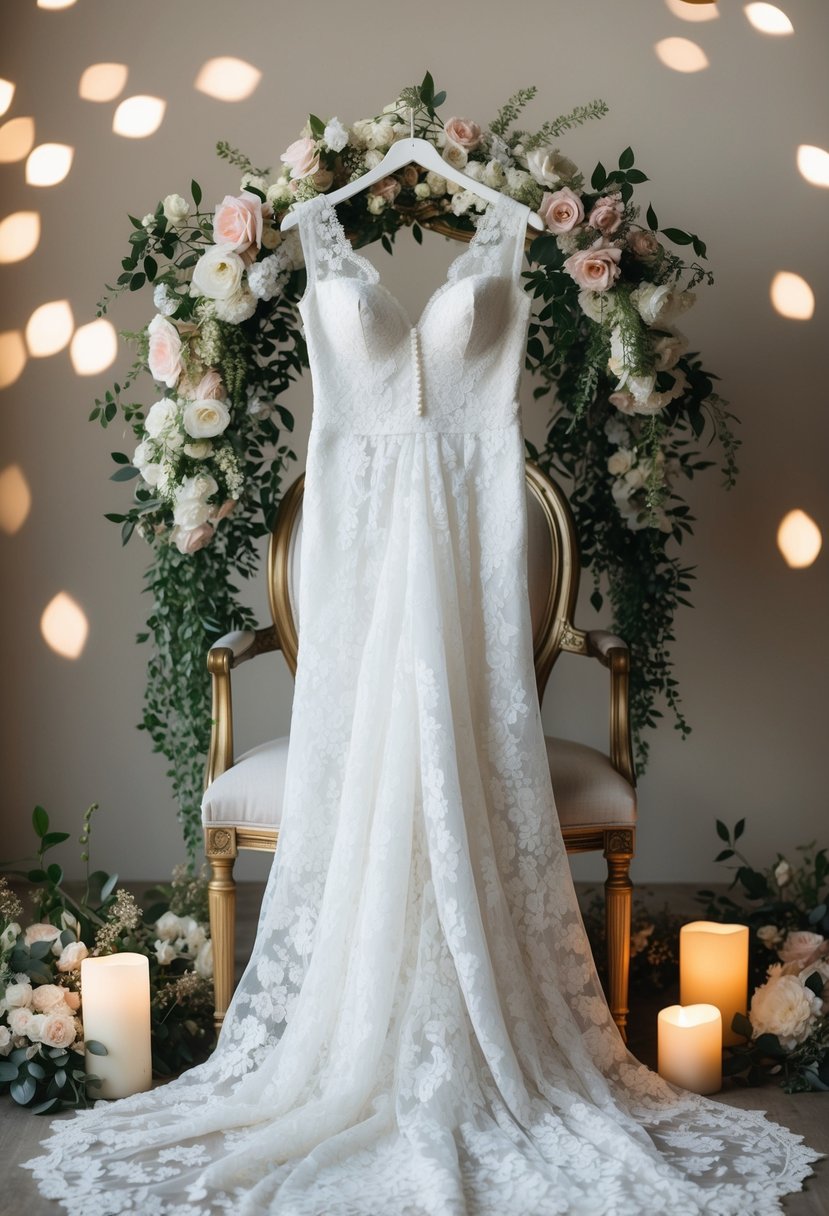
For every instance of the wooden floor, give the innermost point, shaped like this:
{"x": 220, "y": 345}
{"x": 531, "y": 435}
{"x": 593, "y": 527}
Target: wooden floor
{"x": 806, "y": 1114}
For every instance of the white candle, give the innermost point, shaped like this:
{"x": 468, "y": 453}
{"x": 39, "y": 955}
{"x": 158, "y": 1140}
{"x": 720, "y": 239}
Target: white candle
{"x": 690, "y": 1047}
{"x": 115, "y": 995}
{"x": 713, "y": 969}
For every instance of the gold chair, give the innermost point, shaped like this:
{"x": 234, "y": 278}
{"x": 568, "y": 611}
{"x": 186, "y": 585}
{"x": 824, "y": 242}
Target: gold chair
{"x": 595, "y": 794}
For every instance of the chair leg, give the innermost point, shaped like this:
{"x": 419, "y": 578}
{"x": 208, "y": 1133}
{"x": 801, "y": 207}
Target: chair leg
{"x": 220, "y": 850}
{"x": 618, "y": 850}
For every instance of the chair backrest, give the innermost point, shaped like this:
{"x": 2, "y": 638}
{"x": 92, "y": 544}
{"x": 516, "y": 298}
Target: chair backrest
{"x": 552, "y": 560}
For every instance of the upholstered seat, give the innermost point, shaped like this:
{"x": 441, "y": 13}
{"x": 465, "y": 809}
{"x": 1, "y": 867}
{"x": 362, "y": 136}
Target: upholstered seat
{"x": 595, "y": 792}
{"x": 588, "y": 790}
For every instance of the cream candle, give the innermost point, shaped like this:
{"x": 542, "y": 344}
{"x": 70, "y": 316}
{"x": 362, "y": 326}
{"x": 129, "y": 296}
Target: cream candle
{"x": 690, "y": 1047}
{"x": 713, "y": 969}
{"x": 115, "y": 994}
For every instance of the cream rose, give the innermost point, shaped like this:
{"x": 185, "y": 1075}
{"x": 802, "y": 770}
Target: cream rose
{"x": 218, "y": 273}
{"x": 161, "y": 417}
{"x": 643, "y": 243}
{"x": 463, "y": 132}
{"x": 165, "y": 952}
{"x": 204, "y": 961}
{"x": 455, "y": 155}
{"x": 72, "y": 956}
{"x": 164, "y": 354}
{"x": 237, "y": 222}
{"x": 562, "y": 210}
{"x": 548, "y": 167}
{"x": 20, "y": 1020}
{"x": 58, "y": 1030}
{"x": 18, "y": 995}
{"x": 48, "y": 997}
{"x": 653, "y": 301}
{"x": 596, "y": 268}
{"x": 668, "y": 349}
{"x": 770, "y": 936}
{"x": 205, "y": 419}
{"x": 785, "y": 1007}
{"x": 620, "y": 462}
{"x": 40, "y": 932}
{"x": 168, "y": 927}
{"x": 199, "y": 450}
{"x": 301, "y": 157}
{"x": 782, "y": 873}
{"x": 176, "y": 209}
{"x": 802, "y": 947}
{"x": 606, "y": 214}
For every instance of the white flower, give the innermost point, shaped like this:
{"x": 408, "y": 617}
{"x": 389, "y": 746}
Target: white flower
{"x": 41, "y": 932}
{"x": 204, "y": 961}
{"x": 18, "y": 996}
{"x": 279, "y": 195}
{"x": 335, "y": 135}
{"x": 165, "y": 300}
{"x": 668, "y": 348}
{"x": 782, "y": 873}
{"x": 218, "y": 273}
{"x": 548, "y": 166}
{"x": 236, "y": 308}
{"x": 47, "y": 998}
{"x": 463, "y": 201}
{"x": 57, "y": 1030}
{"x": 597, "y": 305}
{"x": 455, "y": 155}
{"x": 175, "y": 209}
{"x": 620, "y": 462}
{"x": 198, "y": 450}
{"x": 422, "y": 191}
{"x": 253, "y": 179}
{"x": 148, "y": 221}
{"x": 380, "y": 135}
{"x": 616, "y": 432}
{"x": 493, "y": 175}
{"x": 151, "y": 474}
{"x": 72, "y": 956}
{"x": 801, "y": 947}
{"x": 5, "y": 1040}
{"x": 204, "y": 419}
{"x": 200, "y": 487}
{"x": 770, "y": 936}
{"x": 165, "y": 952}
{"x": 20, "y": 1019}
{"x": 267, "y": 278}
{"x": 195, "y": 939}
{"x": 9, "y": 935}
{"x": 162, "y": 416}
{"x": 376, "y": 204}
{"x": 653, "y": 301}
{"x": 517, "y": 180}
{"x": 436, "y": 183}
{"x": 785, "y": 1007}
{"x": 168, "y": 926}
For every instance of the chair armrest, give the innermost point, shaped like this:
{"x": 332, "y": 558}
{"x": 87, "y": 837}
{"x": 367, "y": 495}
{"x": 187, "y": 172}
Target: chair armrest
{"x": 231, "y": 650}
{"x": 613, "y": 653}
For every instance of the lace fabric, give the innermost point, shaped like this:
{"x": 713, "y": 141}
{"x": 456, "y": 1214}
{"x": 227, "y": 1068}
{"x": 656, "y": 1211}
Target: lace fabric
{"x": 420, "y": 1030}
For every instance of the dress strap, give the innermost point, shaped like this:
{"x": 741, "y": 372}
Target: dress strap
{"x": 497, "y": 246}
{"x": 328, "y": 251}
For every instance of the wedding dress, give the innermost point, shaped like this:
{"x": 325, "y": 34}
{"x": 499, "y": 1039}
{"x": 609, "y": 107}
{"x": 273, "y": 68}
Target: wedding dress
{"x": 420, "y": 1030}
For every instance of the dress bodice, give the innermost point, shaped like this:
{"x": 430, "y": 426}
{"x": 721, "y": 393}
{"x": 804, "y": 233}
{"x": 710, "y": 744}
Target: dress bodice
{"x": 456, "y": 370}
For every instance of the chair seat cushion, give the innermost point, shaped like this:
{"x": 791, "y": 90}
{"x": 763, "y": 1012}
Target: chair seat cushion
{"x": 588, "y": 790}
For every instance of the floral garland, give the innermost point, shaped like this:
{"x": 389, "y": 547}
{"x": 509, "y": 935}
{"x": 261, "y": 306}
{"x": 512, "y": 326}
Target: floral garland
{"x": 630, "y": 403}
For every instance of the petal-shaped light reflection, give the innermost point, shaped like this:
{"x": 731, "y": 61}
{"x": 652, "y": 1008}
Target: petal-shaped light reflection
{"x": 681, "y": 54}
{"x": 19, "y": 235}
{"x": 693, "y": 10}
{"x": 16, "y": 139}
{"x": 799, "y": 539}
{"x": 55, "y": 4}
{"x": 227, "y": 78}
{"x": 792, "y": 296}
{"x": 15, "y": 499}
{"x": 64, "y": 626}
{"x": 49, "y": 164}
{"x": 768, "y": 19}
{"x": 94, "y": 347}
{"x": 12, "y": 357}
{"x": 813, "y": 163}
{"x": 103, "y": 81}
{"x": 6, "y": 94}
{"x": 49, "y": 328}
{"x": 140, "y": 116}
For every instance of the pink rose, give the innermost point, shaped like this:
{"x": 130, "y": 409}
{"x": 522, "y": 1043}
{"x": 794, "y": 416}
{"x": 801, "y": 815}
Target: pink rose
{"x": 210, "y": 387}
{"x": 462, "y": 132}
{"x": 643, "y": 244}
{"x": 301, "y": 157}
{"x": 48, "y": 997}
{"x": 40, "y": 933}
{"x": 607, "y": 213}
{"x": 237, "y": 222}
{"x": 164, "y": 355}
{"x": 387, "y": 188}
{"x": 596, "y": 268}
{"x": 803, "y": 948}
{"x": 227, "y": 508}
{"x": 58, "y": 1030}
{"x": 561, "y": 211}
{"x": 190, "y": 540}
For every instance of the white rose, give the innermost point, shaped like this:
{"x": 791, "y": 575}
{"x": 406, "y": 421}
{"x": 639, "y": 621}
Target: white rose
{"x": 195, "y": 939}
{"x": 641, "y": 387}
{"x": 58, "y": 1030}
{"x": 462, "y": 202}
{"x": 381, "y": 134}
{"x": 48, "y": 997}
{"x": 785, "y": 1007}
{"x": 41, "y": 932}
{"x": 162, "y": 416}
{"x": 236, "y": 308}
{"x": 165, "y": 952}
{"x": 549, "y": 167}
{"x": 597, "y": 305}
{"x": 20, "y": 1020}
{"x": 200, "y": 487}
{"x": 204, "y": 961}
{"x": 422, "y": 191}
{"x": 72, "y": 956}
{"x": 620, "y": 462}
{"x": 18, "y": 996}
{"x": 376, "y": 204}
{"x": 455, "y": 155}
{"x": 770, "y": 936}
{"x": 668, "y": 349}
{"x": 198, "y": 450}
{"x": 175, "y": 209}
{"x": 635, "y": 478}
{"x": 9, "y": 935}
{"x": 151, "y": 473}
{"x": 782, "y": 873}
{"x": 168, "y": 926}
{"x": 652, "y": 301}
{"x": 436, "y": 183}
{"x": 5, "y": 1040}
{"x": 166, "y": 301}
{"x": 335, "y": 135}
{"x": 204, "y": 419}
{"x": 190, "y": 513}
{"x": 494, "y": 175}
{"x": 801, "y": 947}
{"x": 218, "y": 273}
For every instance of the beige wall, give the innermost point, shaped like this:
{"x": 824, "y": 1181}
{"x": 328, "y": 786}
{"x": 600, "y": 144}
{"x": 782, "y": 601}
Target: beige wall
{"x": 719, "y": 147}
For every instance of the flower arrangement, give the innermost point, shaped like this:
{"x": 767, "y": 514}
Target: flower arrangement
{"x": 630, "y": 402}
{"x": 42, "y": 1045}
{"x": 787, "y": 1028}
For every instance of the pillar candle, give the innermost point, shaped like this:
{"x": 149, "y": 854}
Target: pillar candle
{"x": 690, "y": 1047}
{"x": 713, "y": 969}
{"x": 115, "y": 995}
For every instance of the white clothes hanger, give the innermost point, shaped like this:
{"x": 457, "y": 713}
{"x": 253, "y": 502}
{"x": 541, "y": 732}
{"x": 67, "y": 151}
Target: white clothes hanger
{"x": 406, "y": 152}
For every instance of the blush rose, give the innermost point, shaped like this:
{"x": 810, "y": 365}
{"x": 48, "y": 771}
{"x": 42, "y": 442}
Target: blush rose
{"x": 596, "y": 268}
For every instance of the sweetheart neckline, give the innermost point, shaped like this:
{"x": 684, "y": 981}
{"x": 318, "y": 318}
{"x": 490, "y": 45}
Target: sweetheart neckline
{"x": 376, "y": 281}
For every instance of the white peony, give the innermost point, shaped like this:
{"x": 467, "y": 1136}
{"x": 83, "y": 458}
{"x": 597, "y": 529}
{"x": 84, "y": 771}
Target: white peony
{"x": 802, "y": 947}
{"x": 176, "y": 209}
{"x": 18, "y": 996}
{"x": 165, "y": 952}
{"x": 218, "y": 273}
{"x": 162, "y": 418}
{"x": 785, "y": 1007}
{"x": 335, "y": 135}
{"x": 20, "y": 1020}
{"x": 236, "y": 308}
{"x": 205, "y": 419}
{"x": 204, "y": 961}
{"x": 72, "y": 956}
{"x": 168, "y": 926}
{"x": 200, "y": 487}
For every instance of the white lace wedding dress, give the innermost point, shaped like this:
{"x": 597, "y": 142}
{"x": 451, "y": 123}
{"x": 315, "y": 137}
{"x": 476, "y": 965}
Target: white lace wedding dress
{"x": 420, "y": 1030}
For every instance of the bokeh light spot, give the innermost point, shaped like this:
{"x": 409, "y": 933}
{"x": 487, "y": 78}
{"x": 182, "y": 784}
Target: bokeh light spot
{"x": 12, "y": 357}
{"x": 792, "y": 296}
{"x": 19, "y": 235}
{"x": 103, "y": 81}
{"x": 49, "y": 164}
{"x": 55, "y": 4}
{"x": 64, "y": 626}
{"x": 15, "y": 499}
{"x": 94, "y": 347}
{"x": 799, "y": 539}
{"x": 227, "y": 79}
{"x": 16, "y": 139}
{"x": 6, "y": 94}
{"x": 140, "y": 116}
{"x": 681, "y": 55}
{"x": 768, "y": 19}
{"x": 49, "y": 328}
{"x": 813, "y": 163}
{"x": 692, "y": 10}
